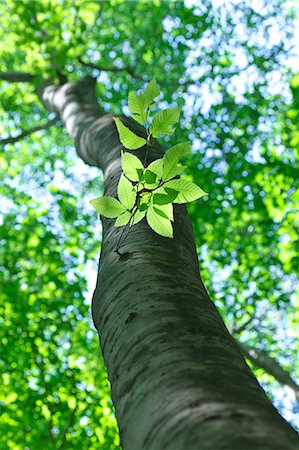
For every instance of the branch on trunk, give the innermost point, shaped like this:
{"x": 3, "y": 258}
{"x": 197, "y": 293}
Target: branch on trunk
{"x": 262, "y": 359}
{"x": 17, "y": 77}
{"x": 24, "y": 133}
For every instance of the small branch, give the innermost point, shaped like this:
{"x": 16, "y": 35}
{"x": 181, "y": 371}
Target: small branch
{"x": 242, "y": 327}
{"x": 17, "y": 77}
{"x": 120, "y": 240}
{"x": 24, "y": 133}
{"x": 68, "y": 426}
{"x": 261, "y": 359}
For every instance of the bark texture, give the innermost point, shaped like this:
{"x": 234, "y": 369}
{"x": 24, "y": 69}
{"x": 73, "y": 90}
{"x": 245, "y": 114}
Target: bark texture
{"x": 178, "y": 378}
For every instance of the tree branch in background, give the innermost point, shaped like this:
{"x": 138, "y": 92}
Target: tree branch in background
{"x": 129, "y": 70}
{"x": 17, "y": 77}
{"x": 261, "y": 359}
{"x": 24, "y": 133}
{"x": 238, "y": 330}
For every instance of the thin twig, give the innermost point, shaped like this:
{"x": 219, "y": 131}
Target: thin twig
{"x": 125, "y": 228}
{"x": 243, "y": 327}
{"x": 120, "y": 238}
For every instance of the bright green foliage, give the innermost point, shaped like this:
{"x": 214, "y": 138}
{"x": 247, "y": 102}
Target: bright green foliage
{"x": 131, "y": 166}
{"x": 139, "y": 214}
{"x": 129, "y": 139}
{"x": 151, "y": 92}
{"x": 126, "y": 192}
{"x": 123, "y": 219}
{"x": 163, "y": 122}
{"x": 158, "y": 223}
{"x": 171, "y": 160}
{"x": 154, "y": 185}
{"x": 165, "y": 211}
{"x": 109, "y": 206}
{"x": 187, "y": 191}
{"x": 139, "y": 105}
{"x": 156, "y": 167}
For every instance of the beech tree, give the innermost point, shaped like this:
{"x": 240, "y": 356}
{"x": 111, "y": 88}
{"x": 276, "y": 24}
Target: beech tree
{"x": 178, "y": 378}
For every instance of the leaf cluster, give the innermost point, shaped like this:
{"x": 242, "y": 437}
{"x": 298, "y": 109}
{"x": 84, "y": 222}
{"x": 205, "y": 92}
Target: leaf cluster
{"x": 140, "y": 105}
{"x": 149, "y": 191}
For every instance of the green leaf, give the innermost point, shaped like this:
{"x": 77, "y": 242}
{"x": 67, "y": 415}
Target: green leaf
{"x": 172, "y": 193}
{"x": 164, "y": 196}
{"x": 171, "y": 159}
{"x": 140, "y": 173}
{"x": 123, "y": 219}
{"x": 108, "y": 206}
{"x": 132, "y": 167}
{"x": 187, "y": 191}
{"x": 165, "y": 211}
{"x": 149, "y": 176}
{"x": 129, "y": 139}
{"x": 160, "y": 212}
{"x": 137, "y": 107}
{"x": 143, "y": 207}
{"x": 151, "y": 92}
{"x": 138, "y": 215}
{"x": 156, "y": 167}
{"x": 145, "y": 198}
{"x": 159, "y": 224}
{"x": 152, "y": 174}
{"x": 175, "y": 172}
{"x": 164, "y": 120}
{"x": 126, "y": 192}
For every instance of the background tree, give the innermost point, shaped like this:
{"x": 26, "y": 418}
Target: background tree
{"x": 244, "y": 142}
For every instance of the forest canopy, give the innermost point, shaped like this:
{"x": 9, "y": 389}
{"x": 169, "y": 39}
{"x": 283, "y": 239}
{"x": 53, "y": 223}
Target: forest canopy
{"x": 232, "y": 67}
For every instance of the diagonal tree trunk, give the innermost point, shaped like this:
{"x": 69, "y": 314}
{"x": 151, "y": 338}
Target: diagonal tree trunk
{"x": 179, "y": 380}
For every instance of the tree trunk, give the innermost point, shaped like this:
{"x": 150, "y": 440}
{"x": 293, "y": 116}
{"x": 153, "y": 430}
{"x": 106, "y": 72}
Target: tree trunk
{"x": 178, "y": 379}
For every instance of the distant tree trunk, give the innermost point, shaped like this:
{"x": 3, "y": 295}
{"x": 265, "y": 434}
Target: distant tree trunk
{"x": 179, "y": 380}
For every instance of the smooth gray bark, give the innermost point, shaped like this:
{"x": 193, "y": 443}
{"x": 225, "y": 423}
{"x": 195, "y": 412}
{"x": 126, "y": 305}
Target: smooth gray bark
{"x": 179, "y": 380}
